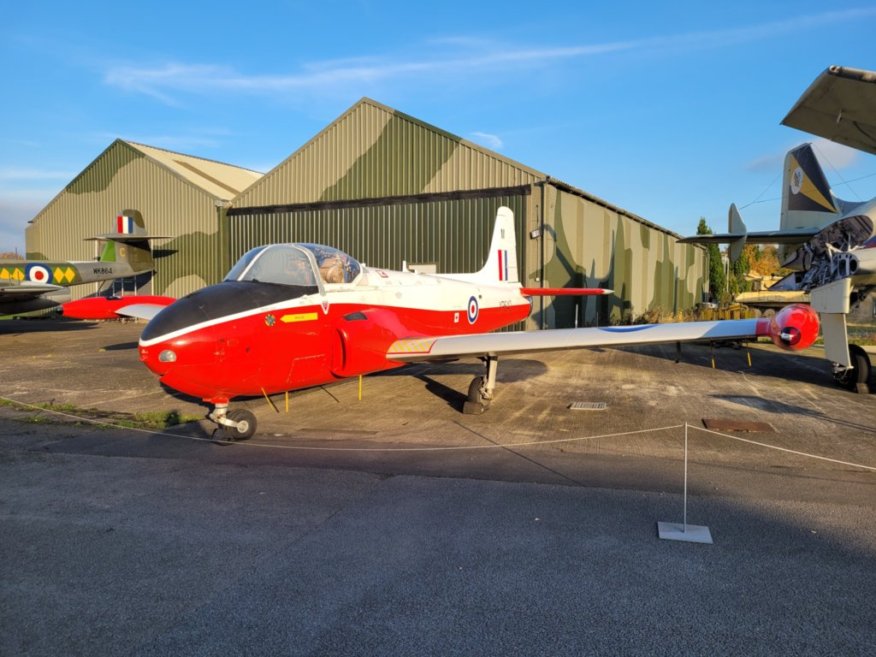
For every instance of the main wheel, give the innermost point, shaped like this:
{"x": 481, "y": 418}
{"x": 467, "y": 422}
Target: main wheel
{"x": 246, "y": 424}
{"x": 475, "y": 403}
{"x": 860, "y": 374}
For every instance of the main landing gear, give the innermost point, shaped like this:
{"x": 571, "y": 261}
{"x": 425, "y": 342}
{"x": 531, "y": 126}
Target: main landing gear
{"x": 855, "y": 378}
{"x": 239, "y": 424}
{"x": 480, "y": 390}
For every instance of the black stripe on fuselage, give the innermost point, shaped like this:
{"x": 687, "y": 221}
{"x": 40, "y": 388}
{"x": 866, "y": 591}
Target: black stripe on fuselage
{"x": 217, "y": 301}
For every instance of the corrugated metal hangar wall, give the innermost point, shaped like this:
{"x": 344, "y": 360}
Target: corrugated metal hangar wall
{"x": 386, "y": 187}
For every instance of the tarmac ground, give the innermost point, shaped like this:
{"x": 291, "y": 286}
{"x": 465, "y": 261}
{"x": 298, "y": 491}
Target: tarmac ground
{"x": 396, "y": 525}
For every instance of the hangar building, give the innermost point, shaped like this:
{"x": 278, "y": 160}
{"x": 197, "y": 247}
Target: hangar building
{"x": 387, "y": 188}
{"x": 181, "y": 196}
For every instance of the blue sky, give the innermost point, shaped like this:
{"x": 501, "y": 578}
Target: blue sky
{"x": 670, "y": 110}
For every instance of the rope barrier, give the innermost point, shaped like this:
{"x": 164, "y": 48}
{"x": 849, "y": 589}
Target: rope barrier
{"x": 534, "y": 443}
{"x": 784, "y": 449}
{"x": 249, "y": 443}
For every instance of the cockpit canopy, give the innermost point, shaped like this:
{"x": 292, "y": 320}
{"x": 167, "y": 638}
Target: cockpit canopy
{"x": 295, "y": 264}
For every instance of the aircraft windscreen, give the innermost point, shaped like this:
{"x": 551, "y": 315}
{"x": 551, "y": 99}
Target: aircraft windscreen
{"x": 241, "y": 265}
{"x": 334, "y": 266}
{"x": 283, "y": 264}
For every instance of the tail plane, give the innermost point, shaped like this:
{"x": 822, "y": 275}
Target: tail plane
{"x": 807, "y": 200}
{"x": 736, "y": 227}
{"x": 129, "y": 244}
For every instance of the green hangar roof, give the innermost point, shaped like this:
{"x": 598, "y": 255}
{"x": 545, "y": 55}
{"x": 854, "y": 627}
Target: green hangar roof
{"x": 373, "y": 151}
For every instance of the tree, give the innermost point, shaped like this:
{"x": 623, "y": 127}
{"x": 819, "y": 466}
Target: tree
{"x": 763, "y": 260}
{"x": 738, "y": 269}
{"x": 717, "y": 280}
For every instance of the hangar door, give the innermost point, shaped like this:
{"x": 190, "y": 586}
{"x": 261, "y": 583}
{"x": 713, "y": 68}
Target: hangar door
{"x": 450, "y": 231}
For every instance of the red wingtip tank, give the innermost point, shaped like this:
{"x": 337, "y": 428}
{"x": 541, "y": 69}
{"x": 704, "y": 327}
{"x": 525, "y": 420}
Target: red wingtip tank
{"x": 793, "y": 328}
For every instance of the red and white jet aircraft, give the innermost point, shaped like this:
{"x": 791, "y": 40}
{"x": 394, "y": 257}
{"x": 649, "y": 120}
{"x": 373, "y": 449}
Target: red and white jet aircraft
{"x": 291, "y": 316}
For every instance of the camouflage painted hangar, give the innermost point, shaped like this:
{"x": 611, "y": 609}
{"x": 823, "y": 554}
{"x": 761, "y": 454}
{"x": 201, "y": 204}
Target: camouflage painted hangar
{"x": 180, "y": 196}
{"x": 387, "y": 188}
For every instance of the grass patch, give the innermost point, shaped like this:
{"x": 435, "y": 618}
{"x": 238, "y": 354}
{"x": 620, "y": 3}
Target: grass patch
{"x": 155, "y": 420}
{"x": 863, "y": 334}
{"x": 860, "y": 334}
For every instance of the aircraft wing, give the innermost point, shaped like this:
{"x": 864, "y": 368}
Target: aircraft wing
{"x": 25, "y": 291}
{"x": 482, "y": 344}
{"x": 839, "y": 105}
{"x": 788, "y": 236}
{"x": 141, "y": 310}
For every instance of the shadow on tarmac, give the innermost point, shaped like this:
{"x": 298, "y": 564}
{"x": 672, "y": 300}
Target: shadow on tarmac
{"x": 808, "y": 367}
{"x": 772, "y": 406}
{"x": 121, "y": 346}
{"x": 13, "y": 326}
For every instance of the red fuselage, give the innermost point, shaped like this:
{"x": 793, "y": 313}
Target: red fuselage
{"x": 242, "y": 339}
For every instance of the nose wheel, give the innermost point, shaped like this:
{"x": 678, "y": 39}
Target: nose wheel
{"x": 233, "y": 426}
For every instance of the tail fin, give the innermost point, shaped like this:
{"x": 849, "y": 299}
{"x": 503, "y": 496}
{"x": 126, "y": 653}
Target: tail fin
{"x": 736, "y": 226}
{"x": 501, "y": 266}
{"x": 129, "y": 244}
{"x": 807, "y": 201}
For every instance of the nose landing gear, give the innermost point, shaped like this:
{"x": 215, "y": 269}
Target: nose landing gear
{"x": 236, "y": 425}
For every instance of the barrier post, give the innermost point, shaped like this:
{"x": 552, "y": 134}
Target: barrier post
{"x": 672, "y": 531}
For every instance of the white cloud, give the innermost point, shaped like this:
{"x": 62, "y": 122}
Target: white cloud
{"x": 456, "y": 56}
{"x": 832, "y": 155}
{"x": 769, "y": 162}
{"x": 27, "y": 174}
{"x": 178, "y": 143}
{"x": 16, "y": 209}
{"x": 488, "y": 140}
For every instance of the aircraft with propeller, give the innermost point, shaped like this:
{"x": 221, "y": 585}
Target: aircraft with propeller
{"x": 292, "y": 316}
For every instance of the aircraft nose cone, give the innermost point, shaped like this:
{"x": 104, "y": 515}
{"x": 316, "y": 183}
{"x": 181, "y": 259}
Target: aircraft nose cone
{"x": 179, "y": 315}
{"x": 216, "y": 303}
{"x": 152, "y": 358}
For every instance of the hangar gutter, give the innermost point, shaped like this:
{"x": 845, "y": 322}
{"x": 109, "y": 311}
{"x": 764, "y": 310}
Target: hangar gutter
{"x": 519, "y": 190}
